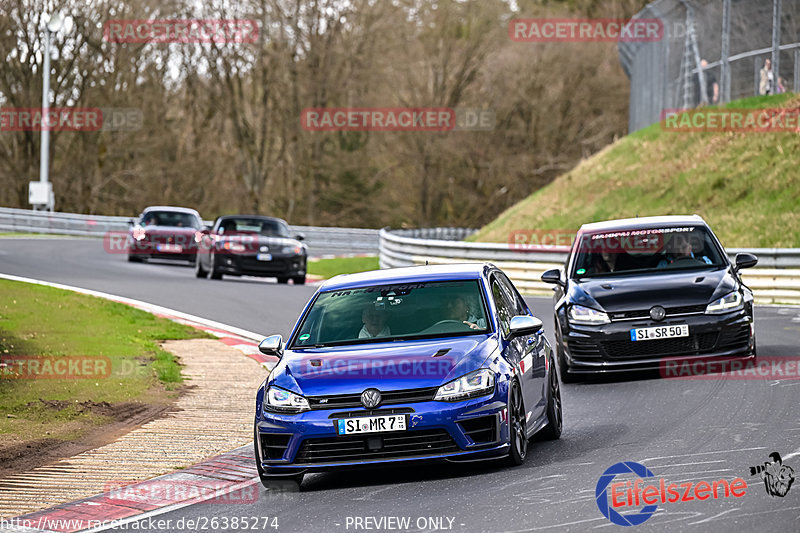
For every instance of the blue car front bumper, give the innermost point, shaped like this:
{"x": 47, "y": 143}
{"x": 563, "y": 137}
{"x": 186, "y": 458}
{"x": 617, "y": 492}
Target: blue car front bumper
{"x": 472, "y": 429}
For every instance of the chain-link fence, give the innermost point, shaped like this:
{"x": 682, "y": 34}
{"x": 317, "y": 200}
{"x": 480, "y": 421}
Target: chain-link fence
{"x": 721, "y": 45}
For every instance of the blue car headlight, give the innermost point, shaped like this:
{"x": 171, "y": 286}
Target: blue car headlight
{"x": 283, "y": 401}
{"x": 474, "y": 384}
{"x": 726, "y": 304}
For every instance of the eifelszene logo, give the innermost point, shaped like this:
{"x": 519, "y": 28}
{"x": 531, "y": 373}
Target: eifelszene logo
{"x": 627, "y": 495}
{"x": 778, "y": 477}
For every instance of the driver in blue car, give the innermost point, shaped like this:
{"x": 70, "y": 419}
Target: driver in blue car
{"x": 374, "y": 318}
{"x": 458, "y": 309}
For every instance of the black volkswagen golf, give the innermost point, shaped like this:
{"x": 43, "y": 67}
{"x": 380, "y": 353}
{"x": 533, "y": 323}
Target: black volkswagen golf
{"x": 641, "y": 291}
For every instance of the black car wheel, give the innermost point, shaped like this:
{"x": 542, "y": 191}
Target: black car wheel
{"x": 299, "y": 280}
{"x": 134, "y": 258}
{"x": 199, "y": 271}
{"x": 277, "y": 483}
{"x": 283, "y": 280}
{"x": 518, "y": 427}
{"x": 555, "y": 415}
{"x": 215, "y": 274}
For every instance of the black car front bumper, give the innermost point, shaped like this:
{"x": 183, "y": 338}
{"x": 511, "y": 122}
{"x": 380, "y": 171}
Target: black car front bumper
{"x": 238, "y": 264}
{"x": 609, "y": 348}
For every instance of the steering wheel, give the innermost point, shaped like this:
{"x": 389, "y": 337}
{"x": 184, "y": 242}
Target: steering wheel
{"x": 684, "y": 258}
{"x": 447, "y": 321}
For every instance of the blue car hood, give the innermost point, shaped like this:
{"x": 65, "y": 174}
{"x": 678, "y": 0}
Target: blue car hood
{"x": 385, "y": 366}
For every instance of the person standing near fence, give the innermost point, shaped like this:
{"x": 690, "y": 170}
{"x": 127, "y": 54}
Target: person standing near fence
{"x": 767, "y": 79}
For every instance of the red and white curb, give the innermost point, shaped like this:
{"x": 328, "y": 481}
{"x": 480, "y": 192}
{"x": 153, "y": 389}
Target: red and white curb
{"x": 227, "y": 478}
{"x": 230, "y": 478}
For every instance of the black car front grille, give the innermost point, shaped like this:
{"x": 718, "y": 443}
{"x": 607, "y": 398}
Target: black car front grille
{"x": 735, "y": 338}
{"x": 344, "y": 401}
{"x": 645, "y": 313}
{"x": 480, "y": 429}
{"x": 273, "y": 445}
{"x": 375, "y": 446}
{"x": 581, "y": 349}
{"x": 691, "y": 345}
{"x": 250, "y": 263}
{"x": 374, "y": 412}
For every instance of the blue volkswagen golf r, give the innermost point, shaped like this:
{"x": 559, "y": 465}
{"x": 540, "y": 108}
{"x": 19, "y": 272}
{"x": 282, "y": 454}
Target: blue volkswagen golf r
{"x": 408, "y": 364}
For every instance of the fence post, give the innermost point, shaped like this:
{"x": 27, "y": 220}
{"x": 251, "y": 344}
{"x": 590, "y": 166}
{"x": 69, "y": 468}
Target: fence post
{"x": 724, "y": 70}
{"x": 776, "y": 42}
{"x": 796, "y": 82}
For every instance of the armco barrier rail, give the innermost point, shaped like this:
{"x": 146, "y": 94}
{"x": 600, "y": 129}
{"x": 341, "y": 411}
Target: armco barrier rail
{"x": 320, "y": 240}
{"x": 776, "y": 280}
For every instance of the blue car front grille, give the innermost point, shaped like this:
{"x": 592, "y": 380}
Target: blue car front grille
{"x": 354, "y": 448}
{"x": 345, "y": 401}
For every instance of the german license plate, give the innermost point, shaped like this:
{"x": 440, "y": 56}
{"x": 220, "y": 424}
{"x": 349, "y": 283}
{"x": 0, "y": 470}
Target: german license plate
{"x": 172, "y": 248}
{"x": 264, "y": 257}
{"x": 371, "y": 424}
{"x": 659, "y": 332}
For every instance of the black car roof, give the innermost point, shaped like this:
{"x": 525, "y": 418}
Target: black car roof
{"x": 644, "y": 223}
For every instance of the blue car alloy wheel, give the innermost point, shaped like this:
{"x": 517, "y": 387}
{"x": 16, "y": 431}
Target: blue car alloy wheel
{"x": 407, "y": 365}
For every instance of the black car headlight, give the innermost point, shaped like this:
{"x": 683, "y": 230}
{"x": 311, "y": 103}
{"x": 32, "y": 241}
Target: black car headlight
{"x": 283, "y": 401}
{"x": 295, "y": 250}
{"x": 726, "y": 304}
{"x": 472, "y": 385}
{"x": 578, "y": 314}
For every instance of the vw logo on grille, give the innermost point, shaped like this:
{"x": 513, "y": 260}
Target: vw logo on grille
{"x": 370, "y": 398}
{"x": 263, "y": 249}
{"x": 657, "y": 313}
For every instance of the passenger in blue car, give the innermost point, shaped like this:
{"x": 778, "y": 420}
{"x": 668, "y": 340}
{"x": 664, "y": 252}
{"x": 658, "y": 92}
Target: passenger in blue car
{"x": 374, "y": 318}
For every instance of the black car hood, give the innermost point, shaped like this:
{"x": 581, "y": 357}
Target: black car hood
{"x": 669, "y": 289}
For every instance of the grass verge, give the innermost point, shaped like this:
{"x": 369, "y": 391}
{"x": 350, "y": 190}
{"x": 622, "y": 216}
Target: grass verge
{"x": 42, "y": 326}
{"x": 328, "y": 268}
{"x": 745, "y": 185}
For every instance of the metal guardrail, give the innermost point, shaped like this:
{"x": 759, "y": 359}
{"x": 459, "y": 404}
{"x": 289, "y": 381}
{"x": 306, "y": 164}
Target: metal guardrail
{"x": 777, "y": 280}
{"x": 320, "y": 240}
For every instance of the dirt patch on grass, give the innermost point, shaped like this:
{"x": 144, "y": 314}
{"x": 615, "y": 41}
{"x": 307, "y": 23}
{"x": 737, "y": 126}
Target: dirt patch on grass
{"x": 106, "y": 423}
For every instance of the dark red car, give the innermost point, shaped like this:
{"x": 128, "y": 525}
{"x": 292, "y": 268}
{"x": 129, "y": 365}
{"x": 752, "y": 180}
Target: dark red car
{"x": 165, "y": 232}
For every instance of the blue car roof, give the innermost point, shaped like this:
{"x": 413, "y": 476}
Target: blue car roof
{"x": 406, "y": 275}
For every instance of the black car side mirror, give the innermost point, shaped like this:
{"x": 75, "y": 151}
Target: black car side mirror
{"x": 745, "y": 260}
{"x": 300, "y": 237}
{"x": 522, "y": 325}
{"x": 132, "y": 222}
{"x": 553, "y": 276}
{"x": 272, "y": 345}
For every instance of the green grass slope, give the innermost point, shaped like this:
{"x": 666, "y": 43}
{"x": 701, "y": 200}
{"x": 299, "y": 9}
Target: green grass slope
{"x": 745, "y": 184}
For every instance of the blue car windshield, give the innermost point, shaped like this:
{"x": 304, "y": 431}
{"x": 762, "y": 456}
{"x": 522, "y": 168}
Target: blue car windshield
{"x": 385, "y": 313}
{"x": 645, "y": 251}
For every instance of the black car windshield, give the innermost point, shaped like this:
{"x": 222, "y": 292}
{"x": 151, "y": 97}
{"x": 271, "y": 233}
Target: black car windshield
{"x": 394, "y": 312}
{"x": 170, "y": 218}
{"x": 650, "y": 250}
{"x": 252, "y": 226}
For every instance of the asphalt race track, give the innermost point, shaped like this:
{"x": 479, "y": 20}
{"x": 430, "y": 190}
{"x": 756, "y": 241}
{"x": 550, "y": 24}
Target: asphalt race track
{"x": 681, "y": 430}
